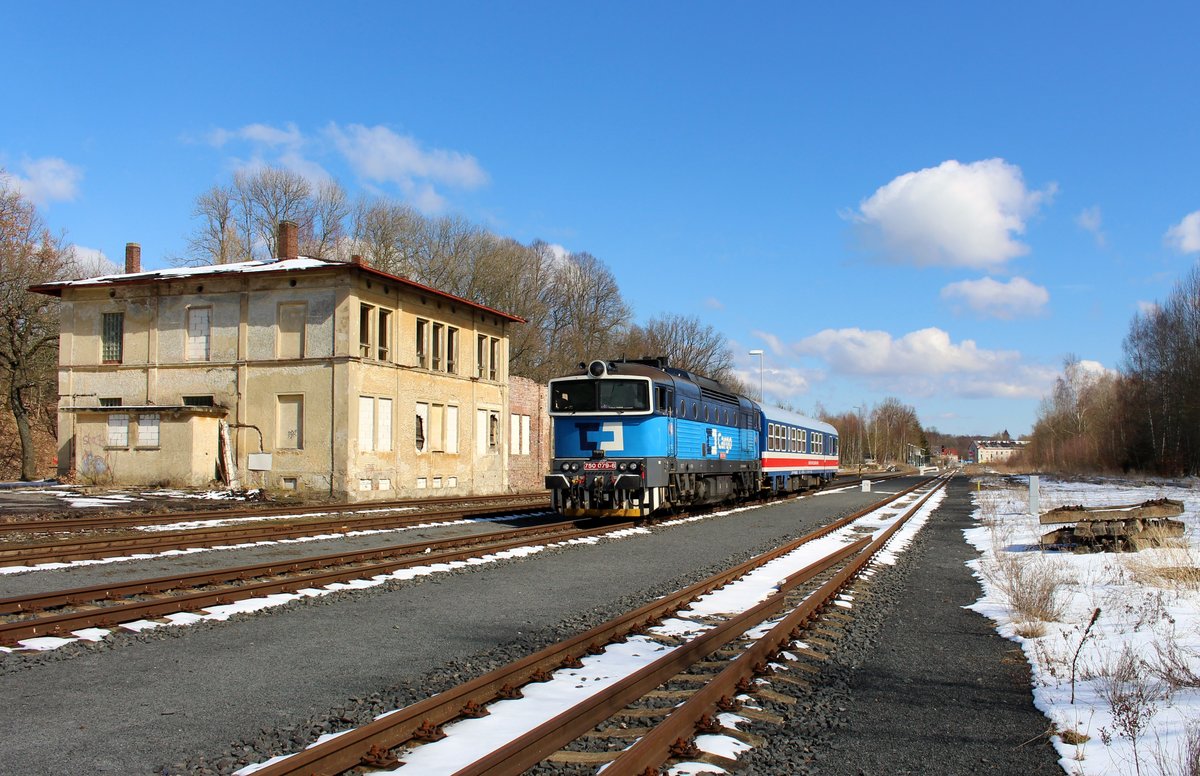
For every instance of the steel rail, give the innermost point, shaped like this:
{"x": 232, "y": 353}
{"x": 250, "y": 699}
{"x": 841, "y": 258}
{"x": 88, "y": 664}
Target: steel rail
{"x": 107, "y": 547}
{"x": 372, "y": 742}
{"x": 14, "y": 631}
{"x": 154, "y": 585}
{"x": 539, "y": 743}
{"x": 73, "y": 524}
{"x": 654, "y": 748}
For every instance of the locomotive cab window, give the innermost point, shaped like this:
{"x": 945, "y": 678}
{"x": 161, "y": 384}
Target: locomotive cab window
{"x": 600, "y": 395}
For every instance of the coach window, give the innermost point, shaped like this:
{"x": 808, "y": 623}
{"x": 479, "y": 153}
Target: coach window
{"x": 682, "y": 408}
{"x": 695, "y": 411}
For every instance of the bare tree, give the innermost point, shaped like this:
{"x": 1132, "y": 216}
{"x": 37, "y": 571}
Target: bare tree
{"x": 29, "y": 255}
{"x": 239, "y": 221}
{"x": 688, "y": 344}
{"x": 218, "y": 239}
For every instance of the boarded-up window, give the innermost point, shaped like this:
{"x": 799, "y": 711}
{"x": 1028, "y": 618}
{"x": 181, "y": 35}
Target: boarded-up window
{"x": 451, "y": 429}
{"x": 366, "y": 423}
{"x": 422, "y": 426}
{"x": 147, "y": 425}
{"x": 524, "y": 435}
{"x": 289, "y": 434}
{"x": 383, "y": 424}
{"x": 199, "y": 333}
{"x": 481, "y": 434}
{"x": 291, "y": 329}
{"x": 118, "y": 430}
{"x": 113, "y": 337}
{"x": 437, "y": 427}
{"x": 514, "y": 434}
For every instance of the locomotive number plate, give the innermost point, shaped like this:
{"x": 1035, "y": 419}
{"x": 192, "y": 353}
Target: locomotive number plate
{"x": 596, "y": 466}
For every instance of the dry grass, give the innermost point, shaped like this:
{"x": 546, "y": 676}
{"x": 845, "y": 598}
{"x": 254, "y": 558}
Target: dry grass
{"x": 1173, "y": 567}
{"x": 1031, "y": 583}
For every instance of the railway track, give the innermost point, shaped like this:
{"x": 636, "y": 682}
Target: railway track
{"x": 107, "y": 605}
{"x": 74, "y": 524}
{"x": 372, "y": 518}
{"x": 707, "y": 668}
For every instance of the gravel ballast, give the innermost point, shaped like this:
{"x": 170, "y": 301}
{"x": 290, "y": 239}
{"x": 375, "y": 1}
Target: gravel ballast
{"x": 210, "y": 698}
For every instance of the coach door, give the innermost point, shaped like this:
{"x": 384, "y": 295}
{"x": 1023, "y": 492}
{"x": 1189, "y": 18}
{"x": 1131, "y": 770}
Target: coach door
{"x": 666, "y": 405}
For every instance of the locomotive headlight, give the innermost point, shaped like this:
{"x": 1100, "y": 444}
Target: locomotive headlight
{"x": 566, "y": 467}
{"x": 574, "y": 467}
{"x": 633, "y": 467}
{"x": 622, "y": 466}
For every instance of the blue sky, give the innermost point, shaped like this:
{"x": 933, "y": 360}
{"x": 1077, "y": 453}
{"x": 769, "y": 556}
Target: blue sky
{"x": 936, "y": 202}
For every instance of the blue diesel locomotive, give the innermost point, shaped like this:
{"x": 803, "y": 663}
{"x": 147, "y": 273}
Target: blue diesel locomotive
{"x": 636, "y": 436}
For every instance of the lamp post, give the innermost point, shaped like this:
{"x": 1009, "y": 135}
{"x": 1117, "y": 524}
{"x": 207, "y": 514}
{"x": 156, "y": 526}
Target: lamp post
{"x": 759, "y": 353}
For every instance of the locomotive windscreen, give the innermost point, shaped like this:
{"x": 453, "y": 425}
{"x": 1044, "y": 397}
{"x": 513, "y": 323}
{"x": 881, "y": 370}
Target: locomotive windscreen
{"x": 600, "y": 396}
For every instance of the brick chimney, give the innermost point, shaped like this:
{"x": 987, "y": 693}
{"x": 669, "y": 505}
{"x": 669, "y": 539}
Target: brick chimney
{"x": 133, "y": 258}
{"x": 288, "y": 244}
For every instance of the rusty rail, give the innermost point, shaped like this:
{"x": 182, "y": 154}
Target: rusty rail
{"x": 422, "y": 720}
{"x": 107, "y": 547}
{"x": 415, "y": 555}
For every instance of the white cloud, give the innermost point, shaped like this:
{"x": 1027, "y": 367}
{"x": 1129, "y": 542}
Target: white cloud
{"x": 91, "y": 262}
{"x": 713, "y": 303}
{"x": 1185, "y": 235}
{"x": 927, "y": 351}
{"x": 382, "y": 156}
{"x": 957, "y": 215}
{"x": 1090, "y": 220}
{"x": 1148, "y": 308}
{"x": 774, "y": 343}
{"x": 378, "y": 155}
{"x": 991, "y": 298}
{"x": 45, "y": 180}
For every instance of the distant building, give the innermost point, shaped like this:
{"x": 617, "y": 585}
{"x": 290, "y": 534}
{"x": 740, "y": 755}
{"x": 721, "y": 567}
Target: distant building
{"x": 995, "y": 450}
{"x": 293, "y": 373}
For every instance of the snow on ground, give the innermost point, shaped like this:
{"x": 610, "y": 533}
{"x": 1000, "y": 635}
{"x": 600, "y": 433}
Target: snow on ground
{"x": 1122, "y": 692}
{"x": 468, "y": 740}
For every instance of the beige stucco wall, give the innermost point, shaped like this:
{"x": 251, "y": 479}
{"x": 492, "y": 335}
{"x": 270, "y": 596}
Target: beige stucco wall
{"x": 245, "y": 379}
{"x": 185, "y": 456}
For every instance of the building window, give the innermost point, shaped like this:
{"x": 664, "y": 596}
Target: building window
{"x": 439, "y": 428}
{"x": 384, "y": 334}
{"x": 199, "y": 333}
{"x": 452, "y": 350}
{"x": 147, "y": 425}
{"x": 289, "y": 427}
{"x": 365, "y": 314}
{"x": 481, "y": 356}
{"x": 422, "y": 423}
{"x": 487, "y": 431}
{"x": 113, "y": 337}
{"x": 422, "y": 349}
{"x": 518, "y": 437}
{"x": 198, "y": 401}
{"x": 437, "y": 346}
{"x": 493, "y": 357}
{"x": 113, "y": 401}
{"x": 383, "y": 426}
{"x": 374, "y": 424}
{"x": 290, "y": 323}
{"x": 366, "y": 423}
{"x": 118, "y": 430}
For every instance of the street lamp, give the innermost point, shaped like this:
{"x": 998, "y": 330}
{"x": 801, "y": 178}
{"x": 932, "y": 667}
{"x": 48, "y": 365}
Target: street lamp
{"x": 759, "y": 353}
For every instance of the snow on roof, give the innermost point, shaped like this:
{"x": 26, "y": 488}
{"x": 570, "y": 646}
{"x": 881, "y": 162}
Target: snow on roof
{"x": 280, "y": 265}
{"x": 264, "y": 266}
